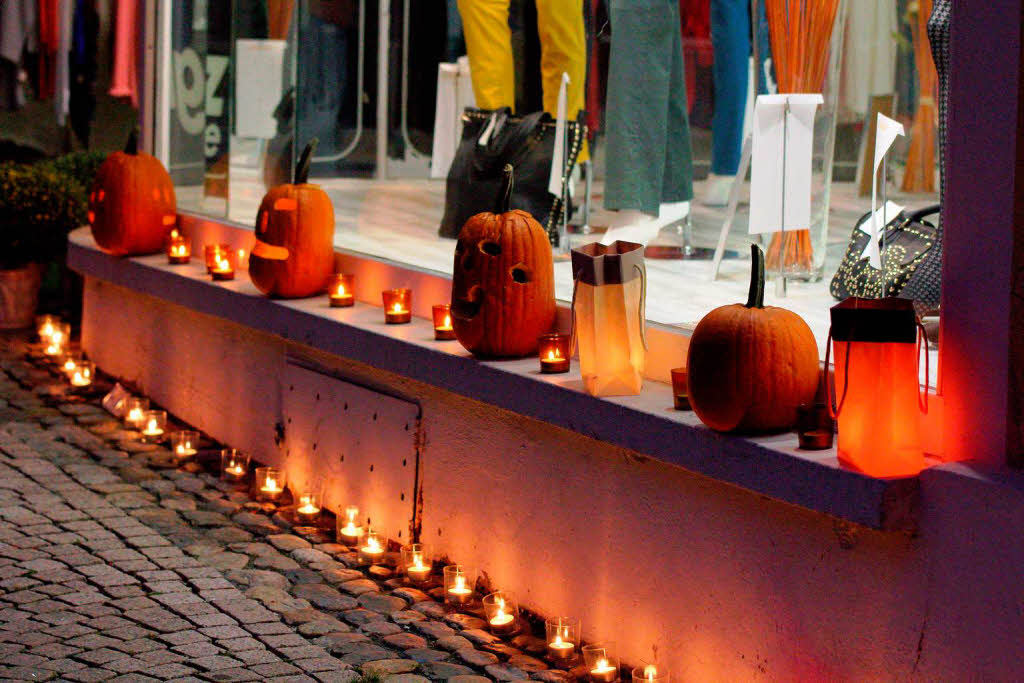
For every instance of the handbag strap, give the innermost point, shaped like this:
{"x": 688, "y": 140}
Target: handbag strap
{"x": 922, "y": 213}
{"x": 642, "y": 267}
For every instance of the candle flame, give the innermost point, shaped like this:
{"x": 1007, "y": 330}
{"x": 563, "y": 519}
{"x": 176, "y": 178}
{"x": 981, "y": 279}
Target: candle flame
{"x": 650, "y": 672}
{"x": 602, "y": 663}
{"x": 558, "y": 639}
{"x": 372, "y": 545}
{"x": 396, "y": 307}
{"x": 46, "y": 330}
{"x": 151, "y": 425}
{"x": 135, "y": 415}
{"x": 460, "y": 583}
{"x": 341, "y": 290}
{"x": 554, "y": 354}
{"x": 271, "y": 484}
{"x": 447, "y": 321}
{"x": 69, "y": 364}
{"x": 417, "y": 561}
{"x": 182, "y": 448}
{"x": 178, "y": 250}
{"x": 174, "y": 233}
{"x": 308, "y": 507}
{"x": 222, "y": 263}
{"x": 80, "y": 379}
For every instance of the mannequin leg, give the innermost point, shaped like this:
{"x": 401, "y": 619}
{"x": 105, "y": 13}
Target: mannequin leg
{"x": 563, "y": 49}
{"x": 489, "y": 45}
{"x": 677, "y": 184}
{"x": 730, "y": 39}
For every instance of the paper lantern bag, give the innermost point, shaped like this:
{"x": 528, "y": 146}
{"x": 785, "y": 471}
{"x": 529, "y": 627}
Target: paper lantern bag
{"x": 608, "y": 313}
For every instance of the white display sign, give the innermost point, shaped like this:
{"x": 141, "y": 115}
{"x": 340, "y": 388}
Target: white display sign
{"x": 258, "y": 83}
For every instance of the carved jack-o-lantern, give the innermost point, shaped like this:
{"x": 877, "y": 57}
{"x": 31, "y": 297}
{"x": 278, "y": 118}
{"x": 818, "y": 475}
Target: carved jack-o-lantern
{"x": 503, "y": 288}
{"x": 294, "y": 252}
{"x": 131, "y": 203}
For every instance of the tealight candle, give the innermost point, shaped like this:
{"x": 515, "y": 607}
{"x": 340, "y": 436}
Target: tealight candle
{"x": 224, "y": 267}
{"x": 371, "y": 547}
{"x": 270, "y": 482}
{"x": 234, "y": 465}
{"x": 681, "y": 389}
{"x": 135, "y": 411}
{"x": 341, "y": 290}
{"x": 553, "y": 350}
{"x": 348, "y": 531}
{"x": 179, "y": 251}
{"x": 83, "y": 373}
{"x": 184, "y": 443}
{"x": 563, "y": 635}
{"x": 458, "y": 589}
{"x": 443, "y": 322}
{"x": 307, "y": 508}
{"x": 243, "y": 259}
{"x": 45, "y": 325}
{"x": 417, "y": 566}
{"x": 58, "y": 340}
{"x": 650, "y": 674}
{"x": 601, "y": 662}
{"x": 154, "y": 422}
{"x": 501, "y": 611}
{"x": 397, "y": 305}
{"x": 212, "y": 253}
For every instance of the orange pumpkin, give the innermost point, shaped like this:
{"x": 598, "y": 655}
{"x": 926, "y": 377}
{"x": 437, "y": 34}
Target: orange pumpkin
{"x": 503, "y": 286}
{"x": 131, "y": 202}
{"x": 750, "y": 366}
{"x": 294, "y": 252}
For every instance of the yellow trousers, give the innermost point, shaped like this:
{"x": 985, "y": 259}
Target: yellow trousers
{"x": 562, "y": 45}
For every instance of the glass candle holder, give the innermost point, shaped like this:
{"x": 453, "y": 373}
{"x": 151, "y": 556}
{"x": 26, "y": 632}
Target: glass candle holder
{"x": 815, "y": 427}
{"x": 553, "y": 350}
{"x": 562, "y": 638}
{"x": 601, "y": 661}
{"x": 372, "y": 547}
{"x": 242, "y": 259}
{"x": 224, "y": 265}
{"x": 307, "y": 508}
{"x": 349, "y": 530}
{"x": 70, "y": 362}
{"x": 179, "y": 250}
{"x": 458, "y": 585}
{"x": 154, "y": 424}
{"x": 45, "y": 324}
{"x": 184, "y": 443}
{"x": 341, "y": 290}
{"x": 443, "y": 322}
{"x": 135, "y": 411}
{"x": 212, "y": 253}
{"x": 650, "y": 674}
{"x": 502, "y": 613}
{"x": 416, "y": 564}
{"x": 681, "y": 388}
{"x": 397, "y": 306}
{"x": 234, "y": 465}
{"x": 83, "y": 373}
{"x": 269, "y": 483}
{"x": 59, "y": 340}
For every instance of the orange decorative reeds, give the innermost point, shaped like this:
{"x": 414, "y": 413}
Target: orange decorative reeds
{"x": 920, "y": 173}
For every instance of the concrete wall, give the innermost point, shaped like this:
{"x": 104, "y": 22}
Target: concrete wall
{"x": 729, "y": 585}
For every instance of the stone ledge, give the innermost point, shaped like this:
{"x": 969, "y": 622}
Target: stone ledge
{"x": 772, "y": 466}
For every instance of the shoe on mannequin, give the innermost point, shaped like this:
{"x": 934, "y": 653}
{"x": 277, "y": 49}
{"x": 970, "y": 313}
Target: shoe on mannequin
{"x": 631, "y": 225}
{"x": 717, "y": 189}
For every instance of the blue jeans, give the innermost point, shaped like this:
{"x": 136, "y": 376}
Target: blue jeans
{"x": 730, "y": 39}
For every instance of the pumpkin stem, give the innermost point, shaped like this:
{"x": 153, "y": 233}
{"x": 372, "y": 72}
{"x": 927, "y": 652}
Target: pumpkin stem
{"x": 755, "y": 298}
{"x": 505, "y": 197}
{"x": 302, "y": 168}
{"x": 132, "y": 146}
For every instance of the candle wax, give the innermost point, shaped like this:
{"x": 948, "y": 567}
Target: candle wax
{"x": 182, "y": 449}
{"x": 79, "y": 381}
{"x": 501, "y": 619}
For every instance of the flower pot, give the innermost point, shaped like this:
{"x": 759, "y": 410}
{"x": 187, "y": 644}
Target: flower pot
{"x": 19, "y": 296}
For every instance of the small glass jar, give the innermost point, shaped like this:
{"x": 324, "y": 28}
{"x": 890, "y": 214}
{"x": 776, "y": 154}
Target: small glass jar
{"x": 179, "y": 250}
{"x": 154, "y": 424}
{"x": 815, "y": 427}
{"x": 443, "y": 330}
{"x": 563, "y": 639}
{"x": 135, "y": 411}
{"x": 59, "y": 340}
{"x": 601, "y": 661}
{"x": 212, "y": 253}
{"x": 45, "y": 325}
{"x": 681, "y": 389}
{"x": 341, "y": 290}
{"x": 307, "y": 508}
{"x": 458, "y": 585}
{"x": 650, "y": 673}
{"x": 70, "y": 362}
{"x": 184, "y": 443}
{"x": 349, "y": 529}
{"x": 270, "y": 483}
{"x": 553, "y": 350}
{"x": 416, "y": 564}
{"x": 83, "y": 373}
{"x": 502, "y": 613}
{"x": 234, "y": 465}
{"x": 372, "y": 547}
{"x": 224, "y": 265}
{"x": 397, "y": 306}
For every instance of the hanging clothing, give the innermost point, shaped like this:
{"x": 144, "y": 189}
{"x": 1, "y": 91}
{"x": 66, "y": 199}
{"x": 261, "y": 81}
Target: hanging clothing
{"x": 491, "y": 65}
{"x": 938, "y": 35}
{"x": 83, "y": 68}
{"x": 49, "y": 44}
{"x": 124, "y": 81}
{"x": 650, "y": 157}
{"x": 62, "y": 72}
{"x": 869, "y": 56}
{"x": 18, "y": 35}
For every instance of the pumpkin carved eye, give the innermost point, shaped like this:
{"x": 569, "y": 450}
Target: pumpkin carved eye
{"x": 285, "y": 204}
{"x": 465, "y": 256}
{"x": 520, "y": 274}
{"x": 490, "y": 248}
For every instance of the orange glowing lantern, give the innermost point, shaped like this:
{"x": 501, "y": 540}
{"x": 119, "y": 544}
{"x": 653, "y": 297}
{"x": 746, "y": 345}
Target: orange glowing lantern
{"x": 879, "y": 403}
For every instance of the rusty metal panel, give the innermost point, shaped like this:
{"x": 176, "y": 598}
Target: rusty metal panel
{"x": 359, "y": 445}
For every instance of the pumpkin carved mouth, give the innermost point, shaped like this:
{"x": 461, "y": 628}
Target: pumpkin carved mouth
{"x": 469, "y": 307}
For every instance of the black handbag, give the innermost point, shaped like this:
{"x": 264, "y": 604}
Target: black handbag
{"x": 911, "y": 261}
{"x": 492, "y": 139}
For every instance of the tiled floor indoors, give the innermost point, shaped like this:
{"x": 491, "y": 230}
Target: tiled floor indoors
{"x": 119, "y": 562}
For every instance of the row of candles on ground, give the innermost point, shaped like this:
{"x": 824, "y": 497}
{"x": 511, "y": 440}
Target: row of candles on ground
{"x": 56, "y": 339}
{"x": 563, "y": 635}
{"x": 221, "y": 263}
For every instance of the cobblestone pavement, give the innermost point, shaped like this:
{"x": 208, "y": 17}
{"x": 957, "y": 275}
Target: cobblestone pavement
{"x": 116, "y": 564}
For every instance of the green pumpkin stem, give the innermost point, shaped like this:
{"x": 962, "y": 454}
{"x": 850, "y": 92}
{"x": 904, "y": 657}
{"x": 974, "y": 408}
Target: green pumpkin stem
{"x": 302, "y": 168}
{"x": 132, "y": 146}
{"x": 755, "y": 298}
{"x": 504, "y": 204}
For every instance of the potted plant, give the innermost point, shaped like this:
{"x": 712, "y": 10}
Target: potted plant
{"x": 38, "y": 207}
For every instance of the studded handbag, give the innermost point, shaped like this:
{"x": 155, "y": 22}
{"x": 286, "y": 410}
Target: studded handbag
{"x": 911, "y": 261}
{"x": 492, "y": 139}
